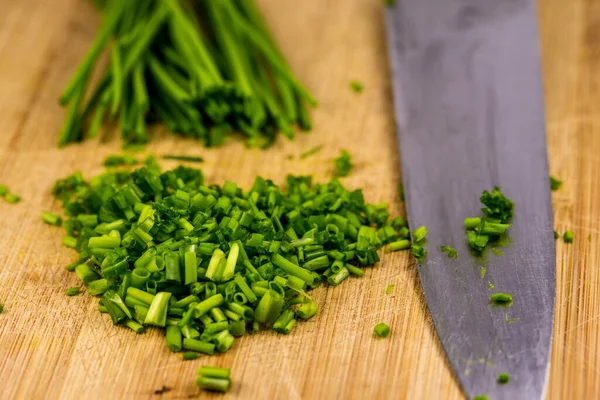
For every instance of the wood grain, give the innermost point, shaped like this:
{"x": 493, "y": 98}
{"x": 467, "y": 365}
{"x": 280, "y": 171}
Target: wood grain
{"x": 54, "y": 346}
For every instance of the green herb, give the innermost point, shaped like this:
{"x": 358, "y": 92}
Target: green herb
{"x": 401, "y": 191}
{"x": 209, "y": 263}
{"x": 12, "y": 198}
{"x": 568, "y": 237}
{"x": 555, "y": 183}
{"x": 190, "y": 355}
{"x": 389, "y": 288}
{"x": 418, "y": 252}
{"x": 183, "y": 158}
{"x": 419, "y": 234}
{"x": 510, "y": 320}
{"x": 343, "y": 164}
{"x": 450, "y": 251}
{"x": 497, "y": 251}
{"x": 382, "y": 330}
{"x": 503, "y": 378}
{"x": 115, "y": 160}
{"x": 1, "y": 308}
{"x": 389, "y": 2}
{"x": 482, "y": 271}
{"x": 490, "y": 285}
{"x": 556, "y": 235}
{"x": 480, "y": 397}
{"x": 186, "y": 67}
{"x": 73, "y": 291}
{"x": 311, "y": 151}
{"x": 501, "y": 299}
{"x": 497, "y": 213}
{"x": 51, "y": 219}
{"x": 590, "y": 237}
{"x": 400, "y": 245}
{"x": 213, "y": 378}
{"x": 356, "y": 86}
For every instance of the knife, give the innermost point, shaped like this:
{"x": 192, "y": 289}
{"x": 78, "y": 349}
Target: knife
{"x": 469, "y": 110}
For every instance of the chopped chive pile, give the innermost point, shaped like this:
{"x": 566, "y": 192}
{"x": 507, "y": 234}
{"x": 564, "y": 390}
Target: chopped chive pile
{"x": 555, "y": 183}
{"x": 568, "y": 237}
{"x": 311, "y": 151}
{"x": 204, "y": 68}
{"x": 343, "y": 164}
{"x": 72, "y": 291}
{"x": 183, "y": 158}
{"x": 7, "y": 196}
{"x": 501, "y": 299}
{"x": 382, "y": 330}
{"x": 117, "y": 160}
{"x": 450, "y": 251}
{"x": 503, "y": 378}
{"x": 356, "y": 86}
{"x": 51, "y": 219}
{"x": 214, "y": 379}
{"x": 209, "y": 263}
{"x": 497, "y": 213}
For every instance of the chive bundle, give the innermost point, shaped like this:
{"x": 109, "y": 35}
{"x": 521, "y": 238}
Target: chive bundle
{"x": 211, "y": 263}
{"x": 204, "y": 68}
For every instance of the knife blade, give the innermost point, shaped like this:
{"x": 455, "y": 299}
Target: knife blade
{"x": 469, "y": 110}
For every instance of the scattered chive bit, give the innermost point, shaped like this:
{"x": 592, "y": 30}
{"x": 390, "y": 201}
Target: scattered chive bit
{"x": 117, "y": 160}
{"x": 556, "y": 235}
{"x": 213, "y": 378}
{"x": 356, "y": 86}
{"x": 182, "y": 158}
{"x": 311, "y": 151}
{"x": 343, "y": 164}
{"x": 481, "y": 397}
{"x": 555, "y": 183}
{"x": 502, "y": 299}
{"x": 72, "y": 291}
{"x": 497, "y": 213}
{"x": 389, "y": 288}
{"x": 590, "y": 237}
{"x": 210, "y": 263}
{"x": 389, "y": 2}
{"x": 290, "y": 157}
{"x": 190, "y": 355}
{"x": 482, "y": 271}
{"x": 51, "y": 219}
{"x": 419, "y": 234}
{"x": 382, "y": 330}
{"x": 510, "y": 320}
{"x": 418, "y": 252}
{"x": 568, "y": 237}
{"x": 9, "y": 197}
{"x": 1, "y": 308}
{"x": 450, "y": 251}
{"x": 491, "y": 285}
{"x": 497, "y": 252}
{"x": 187, "y": 68}
{"x": 503, "y": 378}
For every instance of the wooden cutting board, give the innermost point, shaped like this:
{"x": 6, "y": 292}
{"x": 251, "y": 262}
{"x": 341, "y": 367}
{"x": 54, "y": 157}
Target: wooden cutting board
{"x": 53, "y": 346}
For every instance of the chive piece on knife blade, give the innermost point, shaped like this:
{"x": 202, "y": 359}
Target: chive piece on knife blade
{"x": 382, "y": 330}
{"x": 450, "y": 251}
{"x": 503, "y": 378}
{"x": 502, "y": 299}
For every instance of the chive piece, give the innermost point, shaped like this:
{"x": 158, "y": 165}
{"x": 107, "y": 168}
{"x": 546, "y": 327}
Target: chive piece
{"x": 1, "y": 308}
{"x": 503, "y": 378}
{"x": 497, "y": 252}
{"x": 400, "y": 245}
{"x": 51, "y": 219}
{"x": 343, "y": 164}
{"x": 356, "y": 86}
{"x": 556, "y": 235}
{"x": 199, "y": 346}
{"x": 501, "y": 299}
{"x": 382, "y": 330}
{"x": 174, "y": 339}
{"x": 12, "y": 198}
{"x": 3, "y": 190}
{"x": 490, "y": 285}
{"x": 311, "y": 151}
{"x": 389, "y": 288}
{"x": 157, "y": 313}
{"x": 214, "y": 384}
{"x": 450, "y": 251}
{"x": 568, "y": 237}
{"x": 482, "y": 271}
{"x": 190, "y": 355}
{"x": 555, "y": 183}
{"x": 418, "y": 252}
{"x": 114, "y": 160}
{"x": 480, "y": 397}
{"x": 73, "y": 291}
{"x": 183, "y": 158}
{"x": 471, "y": 223}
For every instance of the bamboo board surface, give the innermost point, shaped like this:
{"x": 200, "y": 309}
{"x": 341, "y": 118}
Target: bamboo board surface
{"x": 54, "y": 346}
